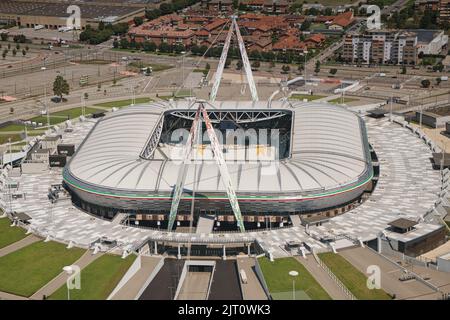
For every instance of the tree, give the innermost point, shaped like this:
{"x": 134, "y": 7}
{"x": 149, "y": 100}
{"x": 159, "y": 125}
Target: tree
{"x": 60, "y": 86}
{"x": 207, "y": 67}
{"x": 14, "y": 52}
{"x": 27, "y": 48}
{"x": 239, "y": 65}
{"x": 404, "y": 70}
{"x": 438, "y": 81}
{"x": 285, "y": 68}
{"x": 227, "y": 63}
{"x": 305, "y": 25}
{"x": 124, "y": 43}
{"x": 4, "y": 36}
{"x": 24, "y": 52}
{"x": 317, "y": 68}
{"x": 256, "y": 65}
{"x": 4, "y": 54}
{"x": 138, "y": 21}
{"x": 333, "y": 71}
{"x": 425, "y": 83}
{"x": 115, "y": 44}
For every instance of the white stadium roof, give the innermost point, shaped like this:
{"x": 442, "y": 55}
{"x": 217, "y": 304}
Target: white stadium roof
{"x": 329, "y": 150}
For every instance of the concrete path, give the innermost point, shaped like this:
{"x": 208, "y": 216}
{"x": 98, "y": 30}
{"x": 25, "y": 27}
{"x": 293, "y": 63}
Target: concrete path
{"x": 19, "y": 245}
{"x": 132, "y": 288}
{"x": 322, "y": 277}
{"x": 361, "y": 258}
{"x": 9, "y": 296}
{"x": 252, "y": 290}
{"x": 61, "y": 279}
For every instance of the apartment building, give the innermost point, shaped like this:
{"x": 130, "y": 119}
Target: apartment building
{"x": 381, "y": 46}
{"x": 444, "y": 12}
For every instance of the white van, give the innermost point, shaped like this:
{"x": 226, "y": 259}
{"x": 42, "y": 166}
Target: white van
{"x": 39, "y": 27}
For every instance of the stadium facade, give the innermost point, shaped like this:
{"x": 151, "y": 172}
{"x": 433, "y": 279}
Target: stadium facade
{"x": 126, "y": 163}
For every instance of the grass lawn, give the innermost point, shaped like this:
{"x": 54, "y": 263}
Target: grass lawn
{"x": 61, "y": 116}
{"x": 317, "y": 26}
{"x": 339, "y": 100}
{"x": 310, "y": 97}
{"x": 13, "y": 127}
{"x": 25, "y": 271}
{"x": 122, "y": 103}
{"x": 8, "y": 234}
{"x": 14, "y": 137}
{"x": 98, "y": 279}
{"x": 352, "y": 278}
{"x": 279, "y": 281}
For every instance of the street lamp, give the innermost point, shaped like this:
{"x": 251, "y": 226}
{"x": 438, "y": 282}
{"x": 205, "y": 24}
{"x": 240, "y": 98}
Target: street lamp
{"x": 45, "y": 96}
{"x": 293, "y": 274}
{"x": 68, "y": 270}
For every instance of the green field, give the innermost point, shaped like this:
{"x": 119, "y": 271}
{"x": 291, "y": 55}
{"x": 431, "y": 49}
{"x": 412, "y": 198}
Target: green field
{"x": 98, "y": 279}
{"x": 25, "y": 271}
{"x": 339, "y": 100}
{"x": 352, "y": 278}
{"x": 61, "y": 116}
{"x": 14, "y": 137}
{"x": 122, "y": 103}
{"x": 13, "y": 127}
{"x": 8, "y": 234}
{"x": 310, "y": 97}
{"x": 317, "y": 26}
{"x": 279, "y": 281}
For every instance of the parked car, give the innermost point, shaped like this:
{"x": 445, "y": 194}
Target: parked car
{"x": 56, "y": 99}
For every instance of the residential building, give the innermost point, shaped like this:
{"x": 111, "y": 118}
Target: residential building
{"x": 444, "y": 12}
{"x": 381, "y": 46}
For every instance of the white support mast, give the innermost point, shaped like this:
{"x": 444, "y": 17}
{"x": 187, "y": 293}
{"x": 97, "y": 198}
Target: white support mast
{"x": 178, "y": 190}
{"x": 226, "y": 179}
{"x": 221, "y": 66}
{"x": 218, "y": 155}
{"x": 246, "y": 63}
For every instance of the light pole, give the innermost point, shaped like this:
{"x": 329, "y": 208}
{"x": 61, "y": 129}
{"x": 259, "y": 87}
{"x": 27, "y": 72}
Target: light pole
{"x": 68, "y": 270}
{"x": 293, "y": 274}
{"x": 45, "y": 97}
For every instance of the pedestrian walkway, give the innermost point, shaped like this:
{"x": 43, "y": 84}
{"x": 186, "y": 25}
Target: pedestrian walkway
{"x": 86, "y": 259}
{"x": 133, "y": 286}
{"x": 9, "y": 296}
{"x": 325, "y": 281}
{"x": 252, "y": 290}
{"x": 19, "y": 245}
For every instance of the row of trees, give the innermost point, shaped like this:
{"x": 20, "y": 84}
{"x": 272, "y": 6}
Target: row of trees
{"x": 103, "y": 32}
{"x": 148, "y": 46}
{"x": 167, "y": 8}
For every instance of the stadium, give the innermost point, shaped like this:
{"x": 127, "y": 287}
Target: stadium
{"x": 127, "y": 164}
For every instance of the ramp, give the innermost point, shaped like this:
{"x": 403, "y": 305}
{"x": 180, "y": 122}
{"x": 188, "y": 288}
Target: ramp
{"x": 295, "y": 219}
{"x": 205, "y": 224}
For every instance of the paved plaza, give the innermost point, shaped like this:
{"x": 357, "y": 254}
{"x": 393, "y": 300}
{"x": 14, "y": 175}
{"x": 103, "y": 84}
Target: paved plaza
{"x": 407, "y": 186}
